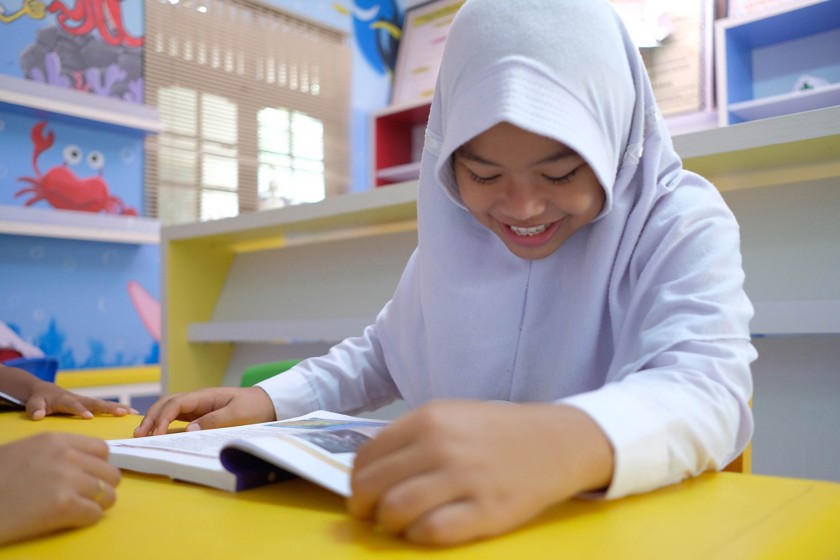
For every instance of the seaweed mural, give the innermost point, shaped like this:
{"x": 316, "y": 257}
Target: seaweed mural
{"x": 87, "y": 49}
{"x": 54, "y": 343}
{"x": 84, "y": 63}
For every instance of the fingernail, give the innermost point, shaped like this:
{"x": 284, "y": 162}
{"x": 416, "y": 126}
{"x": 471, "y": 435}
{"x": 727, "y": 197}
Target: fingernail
{"x": 192, "y": 428}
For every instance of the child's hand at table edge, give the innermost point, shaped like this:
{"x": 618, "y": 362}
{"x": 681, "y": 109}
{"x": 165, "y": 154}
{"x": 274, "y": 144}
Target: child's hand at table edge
{"x": 47, "y": 398}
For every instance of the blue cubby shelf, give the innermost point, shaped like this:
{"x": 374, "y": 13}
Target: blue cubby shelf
{"x": 760, "y": 59}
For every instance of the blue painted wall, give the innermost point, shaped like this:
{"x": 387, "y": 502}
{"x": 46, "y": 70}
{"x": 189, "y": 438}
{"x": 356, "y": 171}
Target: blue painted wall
{"x": 69, "y": 297}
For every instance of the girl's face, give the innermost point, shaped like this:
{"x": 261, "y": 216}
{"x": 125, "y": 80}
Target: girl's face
{"x": 531, "y": 191}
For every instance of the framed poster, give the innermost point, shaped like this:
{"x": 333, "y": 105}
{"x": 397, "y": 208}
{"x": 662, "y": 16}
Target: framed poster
{"x": 681, "y": 68}
{"x": 424, "y": 32}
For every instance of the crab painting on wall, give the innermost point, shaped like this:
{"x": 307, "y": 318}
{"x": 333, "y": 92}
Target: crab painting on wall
{"x": 69, "y": 167}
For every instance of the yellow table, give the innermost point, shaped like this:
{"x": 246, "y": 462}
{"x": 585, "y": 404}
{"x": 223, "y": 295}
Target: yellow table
{"x": 721, "y": 515}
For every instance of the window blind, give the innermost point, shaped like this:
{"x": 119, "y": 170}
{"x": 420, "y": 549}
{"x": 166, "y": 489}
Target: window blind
{"x": 255, "y": 104}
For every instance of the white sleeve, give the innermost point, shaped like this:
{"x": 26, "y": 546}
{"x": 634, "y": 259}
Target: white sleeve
{"x": 350, "y": 378}
{"x": 683, "y": 414}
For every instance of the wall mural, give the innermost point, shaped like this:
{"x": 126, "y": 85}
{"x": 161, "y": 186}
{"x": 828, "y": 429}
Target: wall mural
{"x": 95, "y": 304}
{"x": 87, "y": 303}
{"x": 65, "y": 165}
{"x": 377, "y": 26}
{"x": 61, "y": 188}
{"x": 87, "y": 47}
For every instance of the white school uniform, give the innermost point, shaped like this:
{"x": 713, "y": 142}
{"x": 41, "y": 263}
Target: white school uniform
{"x": 639, "y": 319}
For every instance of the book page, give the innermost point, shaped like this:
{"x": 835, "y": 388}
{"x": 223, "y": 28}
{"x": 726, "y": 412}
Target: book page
{"x": 319, "y": 446}
{"x": 8, "y": 402}
{"x": 319, "y": 449}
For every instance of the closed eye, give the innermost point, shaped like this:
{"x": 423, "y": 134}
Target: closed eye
{"x": 482, "y": 180}
{"x": 567, "y": 178}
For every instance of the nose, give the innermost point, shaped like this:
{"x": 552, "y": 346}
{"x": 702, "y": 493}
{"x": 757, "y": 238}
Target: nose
{"x": 523, "y": 201}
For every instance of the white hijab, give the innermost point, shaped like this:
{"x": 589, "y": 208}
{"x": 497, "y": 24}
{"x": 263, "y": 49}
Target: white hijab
{"x": 470, "y": 319}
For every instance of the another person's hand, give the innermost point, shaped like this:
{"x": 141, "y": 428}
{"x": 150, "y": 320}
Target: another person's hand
{"x": 53, "y": 481}
{"x": 48, "y": 398}
{"x": 456, "y": 471}
{"x": 216, "y": 407}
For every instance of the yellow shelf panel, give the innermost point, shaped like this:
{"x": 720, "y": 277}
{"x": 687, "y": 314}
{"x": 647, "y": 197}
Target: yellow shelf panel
{"x": 196, "y": 274}
{"x": 778, "y": 164}
{"x": 94, "y": 377}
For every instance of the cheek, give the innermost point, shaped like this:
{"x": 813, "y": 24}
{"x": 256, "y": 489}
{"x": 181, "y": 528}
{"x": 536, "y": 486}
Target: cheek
{"x": 598, "y": 202}
{"x": 474, "y": 198}
{"x": 590, "y": 197}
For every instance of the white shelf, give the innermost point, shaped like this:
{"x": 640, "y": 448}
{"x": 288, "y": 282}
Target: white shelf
{"x": 278, "y": 332}
{"x": 78, "y": 105}
{"x": 787, "y": 129}
{"x": 784, "y": 150}
{"x": 381, "y": 207}
{"x": 794, "y": 102}
{"x": 400, "y": 173}
{"x": 69, "y": 224}
{"x": 780, "y": 318}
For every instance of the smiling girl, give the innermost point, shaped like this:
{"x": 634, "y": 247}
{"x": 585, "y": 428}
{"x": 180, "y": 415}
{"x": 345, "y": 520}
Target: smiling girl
{"x": 573, "y": 318}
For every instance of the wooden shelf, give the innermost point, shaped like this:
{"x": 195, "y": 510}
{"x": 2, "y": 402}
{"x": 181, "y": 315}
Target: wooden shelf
{"x": 72, "y": 104}
{"x": 69, "y": 224}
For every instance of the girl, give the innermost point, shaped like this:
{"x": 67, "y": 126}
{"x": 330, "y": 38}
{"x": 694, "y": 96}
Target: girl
{"x": 566, "y": 263}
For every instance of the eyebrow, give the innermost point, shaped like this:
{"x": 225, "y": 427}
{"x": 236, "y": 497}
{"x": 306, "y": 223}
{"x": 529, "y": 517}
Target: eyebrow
{"x": 563, "y": 153}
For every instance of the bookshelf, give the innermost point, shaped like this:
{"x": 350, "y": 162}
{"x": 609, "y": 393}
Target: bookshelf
{"x": 776, "y": 63}
{"x": 398, "y": 135}
{"x": 304, "y": 275}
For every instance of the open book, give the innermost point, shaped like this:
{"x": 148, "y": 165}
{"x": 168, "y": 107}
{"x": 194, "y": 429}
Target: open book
{"x": 319, "y": 446}
{"x": 8, "y": 402}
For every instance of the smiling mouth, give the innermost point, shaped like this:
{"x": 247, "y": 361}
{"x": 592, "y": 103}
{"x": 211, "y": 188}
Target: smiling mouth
{"x": 532, "y": 236}
{"x": 529, "y": 231}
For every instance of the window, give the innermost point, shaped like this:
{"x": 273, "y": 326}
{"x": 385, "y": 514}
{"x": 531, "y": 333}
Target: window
{"x": 291, "y": 158}
{"x": 255, "y": 105}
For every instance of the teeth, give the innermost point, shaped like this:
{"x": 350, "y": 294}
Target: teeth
{"x": 531, "y": 231}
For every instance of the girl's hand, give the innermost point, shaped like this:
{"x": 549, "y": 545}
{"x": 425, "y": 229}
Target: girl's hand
{"x": 456, "y": 471}
{"x": 208, "y": 408}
